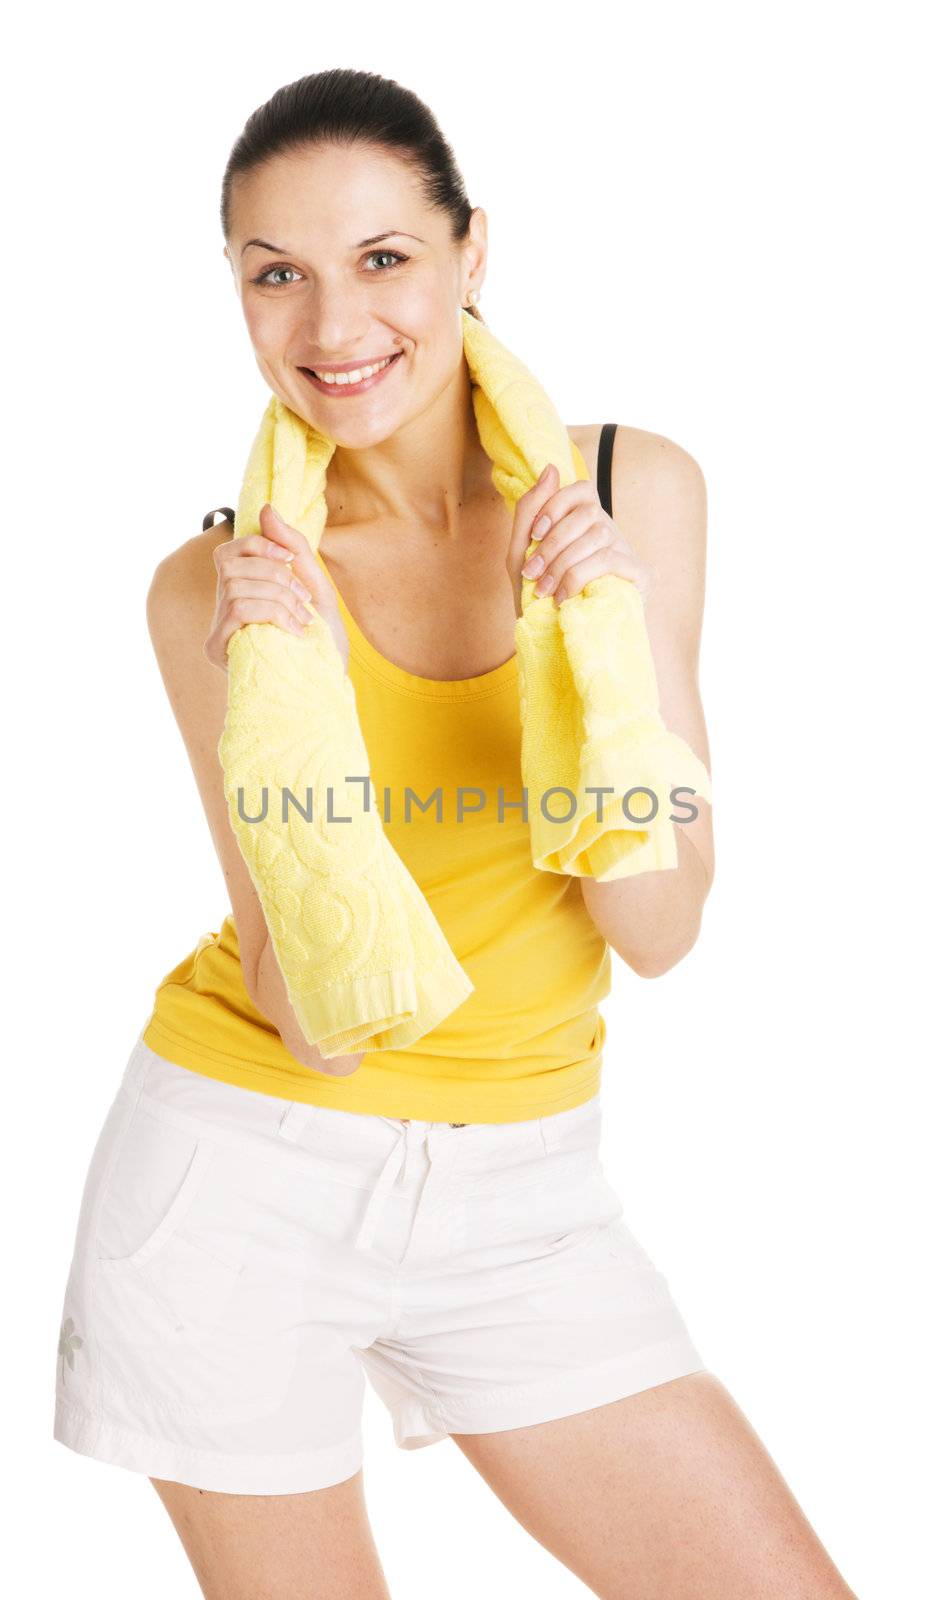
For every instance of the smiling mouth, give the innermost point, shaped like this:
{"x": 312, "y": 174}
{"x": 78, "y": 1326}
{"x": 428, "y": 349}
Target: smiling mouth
{"x": 352, "y": 379}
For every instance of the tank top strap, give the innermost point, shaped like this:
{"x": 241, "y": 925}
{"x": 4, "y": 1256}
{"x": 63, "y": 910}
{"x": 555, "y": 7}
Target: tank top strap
{"x": 604, "y": 466}
{"x": 225, "y": 512}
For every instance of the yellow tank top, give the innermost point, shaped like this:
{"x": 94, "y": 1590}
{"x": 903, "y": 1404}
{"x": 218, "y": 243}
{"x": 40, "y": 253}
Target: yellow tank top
{"x": 445, "y": 765}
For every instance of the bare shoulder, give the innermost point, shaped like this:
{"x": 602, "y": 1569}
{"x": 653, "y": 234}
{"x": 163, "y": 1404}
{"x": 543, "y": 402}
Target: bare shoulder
{"x": 183, "y": 587}
{"x": 180, "y": 607}
{"x": 181, "y": 604}
{"x": 653, "y": 476}
{"x": 659, "y": 503}
{"x": 648, "y": 471}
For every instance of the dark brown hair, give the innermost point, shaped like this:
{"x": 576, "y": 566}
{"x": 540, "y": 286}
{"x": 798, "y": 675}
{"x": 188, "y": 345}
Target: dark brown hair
{"x": 342, "y": 106}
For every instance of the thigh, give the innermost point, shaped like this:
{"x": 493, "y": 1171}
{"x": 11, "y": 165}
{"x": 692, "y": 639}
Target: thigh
{"x": 668, "y": 1494}
{"x": 278, "y": 1546}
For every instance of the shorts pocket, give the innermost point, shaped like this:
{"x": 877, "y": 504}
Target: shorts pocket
{"x": 569, "y": 1201}
{"x": 593, "y": 1217}
{"x": 167, "y": 1227}
{"x": 203, "y": 1153}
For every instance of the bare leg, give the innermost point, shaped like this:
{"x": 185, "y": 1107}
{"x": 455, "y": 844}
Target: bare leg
{"x": 664, "y": 1495}
{"x": 313, "y": 1546}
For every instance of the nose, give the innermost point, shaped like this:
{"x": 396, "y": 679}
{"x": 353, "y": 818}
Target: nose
{"x": 337, "y": 320}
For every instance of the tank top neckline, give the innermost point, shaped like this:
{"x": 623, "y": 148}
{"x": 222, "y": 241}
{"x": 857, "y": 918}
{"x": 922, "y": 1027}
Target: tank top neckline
{"x": 410, "y": 683}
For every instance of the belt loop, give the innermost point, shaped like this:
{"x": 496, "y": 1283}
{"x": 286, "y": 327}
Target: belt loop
{"x": 550, "y": 1132}
{"x": 294, "y": 1119}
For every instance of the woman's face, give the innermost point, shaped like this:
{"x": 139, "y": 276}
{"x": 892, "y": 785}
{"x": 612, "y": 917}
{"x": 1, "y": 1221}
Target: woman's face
{"x": 317, "y": 293}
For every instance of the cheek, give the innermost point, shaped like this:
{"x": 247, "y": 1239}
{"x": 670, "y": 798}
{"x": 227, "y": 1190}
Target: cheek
{"x": 423, "y": 308}
{"x": 268, "y": 330}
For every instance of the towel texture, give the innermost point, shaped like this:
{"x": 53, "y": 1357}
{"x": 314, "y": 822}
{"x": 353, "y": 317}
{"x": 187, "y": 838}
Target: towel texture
{"x": 364, "y": 960}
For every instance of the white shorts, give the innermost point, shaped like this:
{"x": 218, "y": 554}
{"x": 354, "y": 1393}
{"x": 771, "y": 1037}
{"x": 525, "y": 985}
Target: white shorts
{"x": 242, "y": 1261}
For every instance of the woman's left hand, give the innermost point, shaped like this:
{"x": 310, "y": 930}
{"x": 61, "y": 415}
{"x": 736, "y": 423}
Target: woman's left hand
{"x": 577, "y": 541}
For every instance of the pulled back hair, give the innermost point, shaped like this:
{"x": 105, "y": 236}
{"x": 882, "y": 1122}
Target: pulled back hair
{"x": 342, "y": 106}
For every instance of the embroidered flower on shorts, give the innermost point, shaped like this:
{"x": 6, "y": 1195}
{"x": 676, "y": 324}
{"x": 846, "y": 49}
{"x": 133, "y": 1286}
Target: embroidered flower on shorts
{"x": 68, "y": 1342}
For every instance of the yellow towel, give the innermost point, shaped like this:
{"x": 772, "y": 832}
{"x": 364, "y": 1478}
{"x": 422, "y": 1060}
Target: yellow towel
{"x": 364, "y": 960}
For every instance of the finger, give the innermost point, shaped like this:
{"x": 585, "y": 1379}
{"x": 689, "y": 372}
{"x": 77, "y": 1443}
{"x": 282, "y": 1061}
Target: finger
{"x": 550, "y": 510}
{"x": 573, "y": 496}
{"x": 305, "y": 561}
{"x": 527, "y": 509}
{"x": 252, "y": 544}
{"x": 556, "y": 573}
{"x": 280, "y": 532}
{"x": 261, "y": 609}
{"x": 602, "y": 563}
{"x": 294, "y": 594}
{"x": 254, "y": 568}
{"x": 579, "y": 523}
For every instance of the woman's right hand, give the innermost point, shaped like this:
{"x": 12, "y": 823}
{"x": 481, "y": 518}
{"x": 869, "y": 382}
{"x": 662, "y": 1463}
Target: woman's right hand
{"x": 308, "y": 1055}
{"x": 269, "y": 993}
{"x": 341, "y": 1066}
{"x": 292, "y": 1036}
{"x": 269, "y": 577}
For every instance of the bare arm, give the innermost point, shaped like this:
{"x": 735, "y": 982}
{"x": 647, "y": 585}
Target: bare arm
{"x": 659, "y": 504}
{"x": 181, "y": 604}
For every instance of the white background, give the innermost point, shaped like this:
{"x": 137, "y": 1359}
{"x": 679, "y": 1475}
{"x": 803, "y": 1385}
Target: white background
{"x": 704, "y": 221}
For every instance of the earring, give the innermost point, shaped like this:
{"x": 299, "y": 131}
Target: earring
{"x": 472, "y": 297}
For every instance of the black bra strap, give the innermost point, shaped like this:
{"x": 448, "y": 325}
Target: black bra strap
{"x": 604, "y": 466}
{"x": 226, "y": 512}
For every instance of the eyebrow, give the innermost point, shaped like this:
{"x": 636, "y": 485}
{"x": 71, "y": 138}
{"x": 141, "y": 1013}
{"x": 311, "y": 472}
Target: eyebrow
{"x": 393, "y": 233}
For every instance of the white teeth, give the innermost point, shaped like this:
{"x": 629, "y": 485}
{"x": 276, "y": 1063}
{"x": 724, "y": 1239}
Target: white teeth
{"x": 353, "y": 377}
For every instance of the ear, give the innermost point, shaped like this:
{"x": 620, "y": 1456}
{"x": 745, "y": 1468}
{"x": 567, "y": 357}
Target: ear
{"x": 474, "y": 254}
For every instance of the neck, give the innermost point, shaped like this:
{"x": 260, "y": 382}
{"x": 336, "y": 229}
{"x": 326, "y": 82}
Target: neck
{"x": 424, "y": 474}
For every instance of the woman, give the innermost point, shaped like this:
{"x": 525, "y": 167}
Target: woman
{"x": 260, "y": 1226}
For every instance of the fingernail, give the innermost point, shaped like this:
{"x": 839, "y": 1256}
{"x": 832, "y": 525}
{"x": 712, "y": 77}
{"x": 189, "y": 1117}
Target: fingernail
{"x": 541, "y": 527}
{"x": 533, "y": 567}
{"x": 545, "y": 584}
